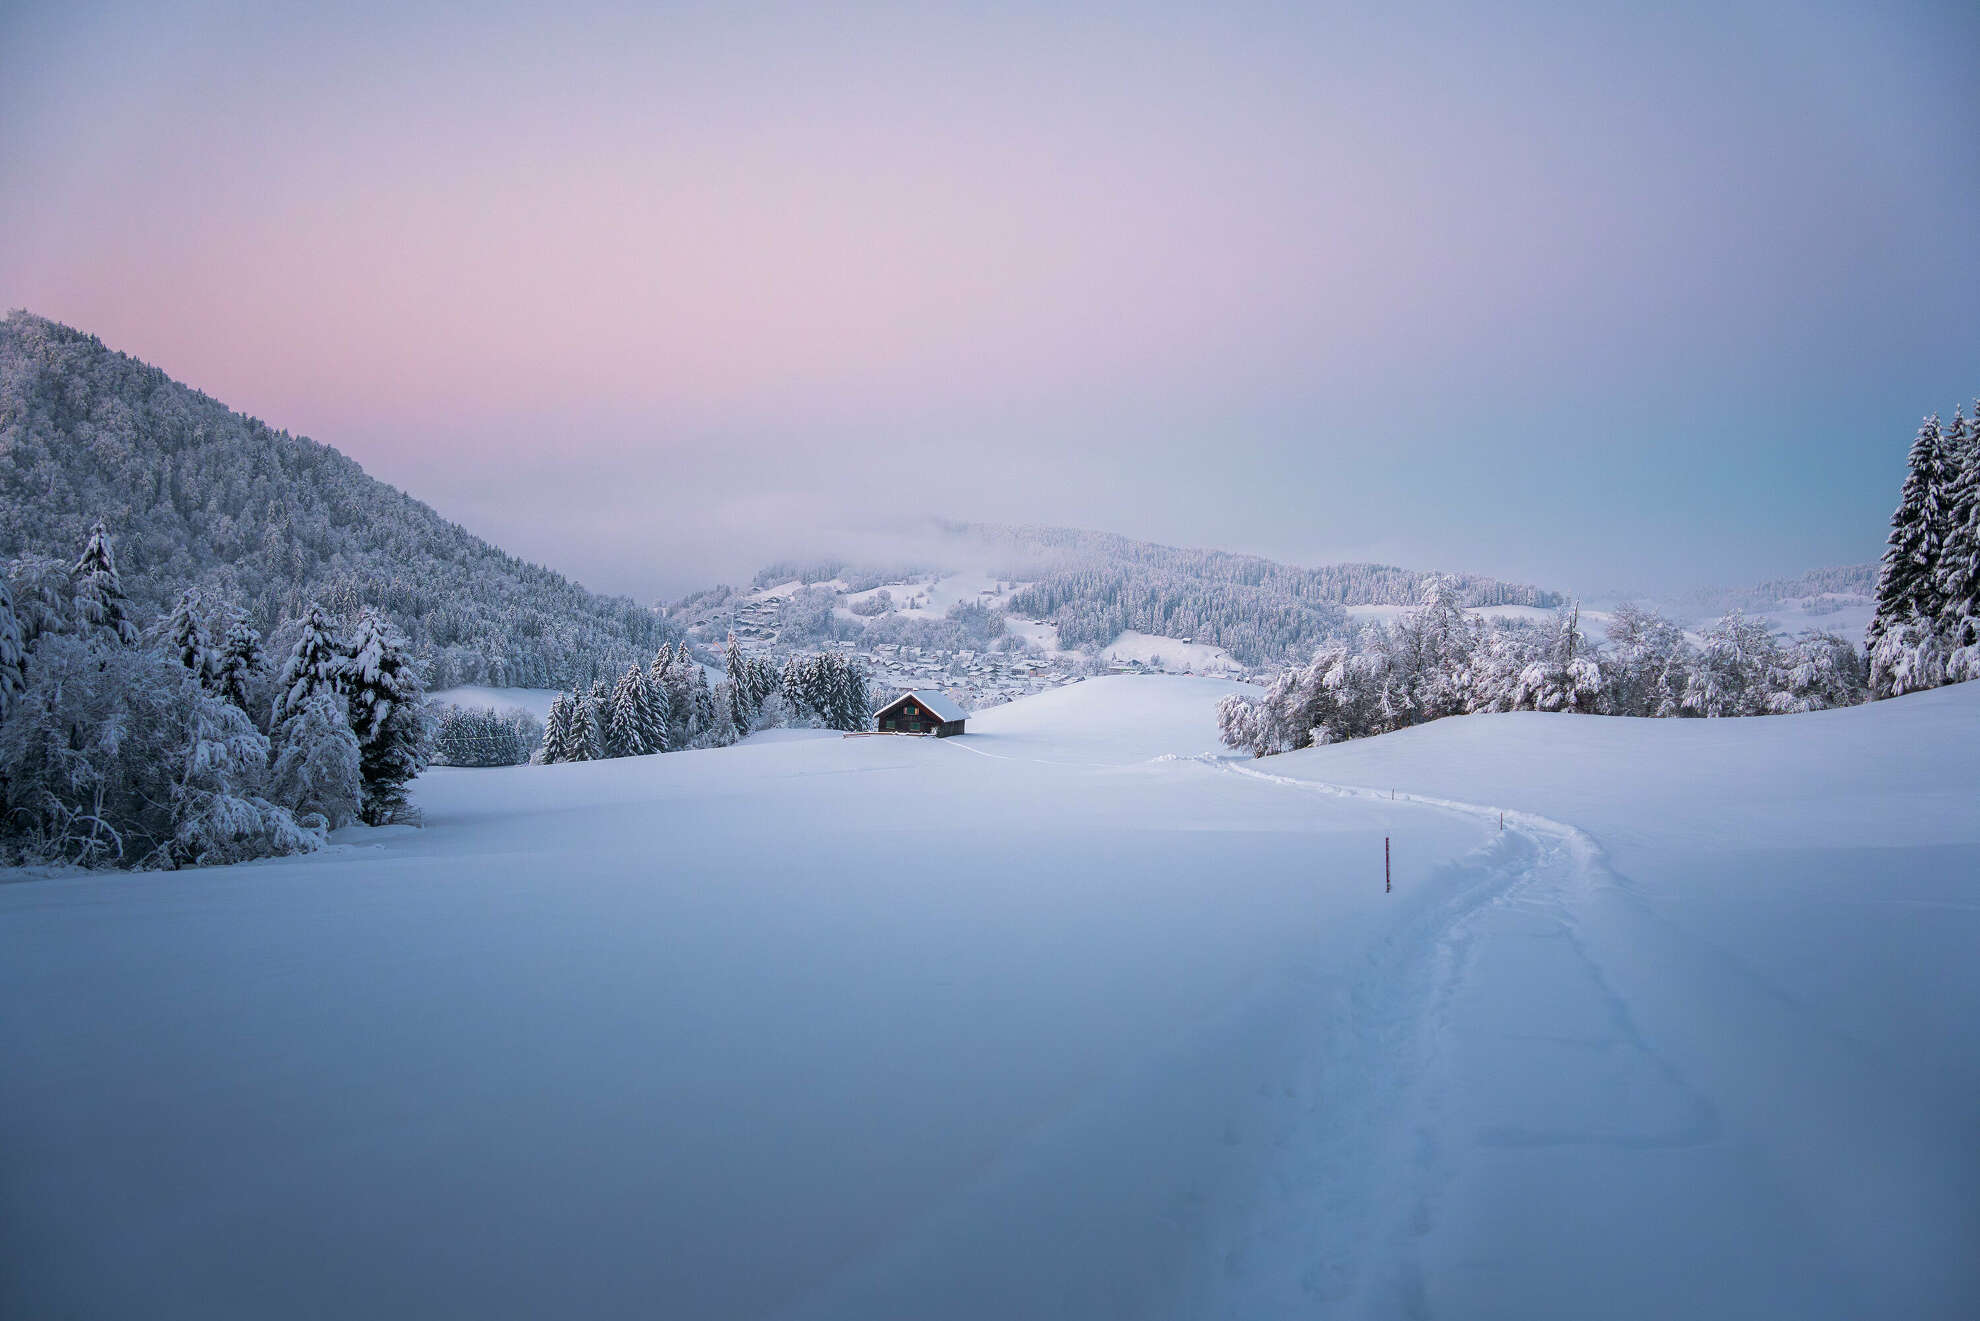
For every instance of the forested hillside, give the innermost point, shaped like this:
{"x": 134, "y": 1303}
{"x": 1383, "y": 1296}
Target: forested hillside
{"x": 1096, "y": 585}
{"x": 196, "y": 494}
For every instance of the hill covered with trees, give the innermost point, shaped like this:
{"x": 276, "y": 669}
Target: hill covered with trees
{"x": 1094, "y": 586}
{"x": 198, "y": 495}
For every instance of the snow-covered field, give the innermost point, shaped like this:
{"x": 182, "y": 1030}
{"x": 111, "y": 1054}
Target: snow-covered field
{"x": 1171, "y": 653}
{"x": 535, "y": 701}
{"x": 1067, "y": 1017}
{"x": 934, "y": 600}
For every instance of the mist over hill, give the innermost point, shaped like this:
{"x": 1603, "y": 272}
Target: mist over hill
{"x": 197, "y": 494}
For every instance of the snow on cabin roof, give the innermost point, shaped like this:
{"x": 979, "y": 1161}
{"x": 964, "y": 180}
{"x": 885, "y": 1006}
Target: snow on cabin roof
{"x": 940, "y": 705}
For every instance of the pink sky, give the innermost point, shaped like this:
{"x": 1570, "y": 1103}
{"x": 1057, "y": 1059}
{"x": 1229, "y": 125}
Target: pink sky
{"x": 612, "y": 286}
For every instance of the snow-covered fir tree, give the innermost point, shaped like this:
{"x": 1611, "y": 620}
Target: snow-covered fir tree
{"x": 13, "y": 653}
{"x": 316, "y": 664}
{"x": 635, "y": 719}
{"x": 556, "y": 731}
{"x": 186, "y": 635}
{"x": 582, "y": 740}
{"x": 1908, "y": 589}
{"x": 387, "y": 706}
{"x": 484, "y": 736}
{"x": 100, "y": 602}
{"x": 239, "y": 668}
{"x": 1959, "y": 557}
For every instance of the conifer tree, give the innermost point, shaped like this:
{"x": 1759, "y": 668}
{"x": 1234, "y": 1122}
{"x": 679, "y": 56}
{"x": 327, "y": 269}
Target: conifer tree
{"x": 1959, "y": 558}
{"x": 582, "y": 743}
{"x": 240, "y": 663}
{"x": 388, "y": 714}
{"x": 99, "y": 593}
{"x": 188, "y": 639}
{"x": 13, "y": 655}
{"x": 315, "y": 665}
{"x": 701, "y": 704}
{"x": 557, "y": 730}
{"x": 635, "y": 725}
{"x": 1908, "y": 587}
{"x": 744, "y": 702}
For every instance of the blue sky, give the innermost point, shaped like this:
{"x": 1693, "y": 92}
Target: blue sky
{"x": 1584, "y": 294}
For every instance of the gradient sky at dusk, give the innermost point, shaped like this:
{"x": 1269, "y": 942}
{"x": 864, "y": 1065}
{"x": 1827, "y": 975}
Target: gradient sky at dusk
{"x": 1597, "y": 295}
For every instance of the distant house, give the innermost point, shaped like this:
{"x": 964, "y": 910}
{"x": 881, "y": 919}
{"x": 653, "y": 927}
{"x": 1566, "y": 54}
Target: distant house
{"x": 919, "y": 712}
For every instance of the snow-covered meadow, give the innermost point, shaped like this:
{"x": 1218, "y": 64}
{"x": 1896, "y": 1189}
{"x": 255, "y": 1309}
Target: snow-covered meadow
{"x": 1072, "y": 1016}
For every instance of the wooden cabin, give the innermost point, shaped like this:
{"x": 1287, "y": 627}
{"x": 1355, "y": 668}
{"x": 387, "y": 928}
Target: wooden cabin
{"x": 920, "y": 713}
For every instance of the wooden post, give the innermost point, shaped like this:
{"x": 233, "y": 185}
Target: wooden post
{"x": 1387, "y": 883}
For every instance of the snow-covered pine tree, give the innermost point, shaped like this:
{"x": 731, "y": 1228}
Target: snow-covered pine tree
{"x": 1959, "y": 557}
{"x": 796, "y": 690}
{"x": 100, "y": 602}
{"x": 238, "y": 670}
{"x": 13, "y": 654}
{"x": 1908, "y": 586}
{"x": 315, "y": 665}
{"x": 743, "y": 700}
{"x": 557, "y": 730}
{"x": 582, "y": 741}
{"x": 187, "y": 637}
{"x": 668, "y": 678}
{"x": 387, "y": 703}
{"x": 635, "y": 724}
{"x": 701, "y": 702}
{"x": 44, "y": 596}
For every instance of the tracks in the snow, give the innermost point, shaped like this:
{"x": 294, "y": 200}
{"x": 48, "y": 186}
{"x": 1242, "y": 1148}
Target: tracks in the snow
{"x": 1481, "y": 1029}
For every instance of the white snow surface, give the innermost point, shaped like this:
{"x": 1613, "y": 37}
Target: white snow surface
{"x": 536, "y": 701}
{"x": 1173, "y": 653}
{"x": 1071, "y": 1016}
{"x": 946, "y": 592}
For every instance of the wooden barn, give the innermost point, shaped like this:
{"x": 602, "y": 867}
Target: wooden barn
{"x": 920, "y": 713}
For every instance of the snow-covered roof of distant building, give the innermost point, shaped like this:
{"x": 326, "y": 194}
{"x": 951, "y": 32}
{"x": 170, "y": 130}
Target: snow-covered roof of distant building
{"x": 940, "y": 705}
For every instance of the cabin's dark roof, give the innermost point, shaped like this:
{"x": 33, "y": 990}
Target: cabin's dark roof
{"x": 940, "y": 705}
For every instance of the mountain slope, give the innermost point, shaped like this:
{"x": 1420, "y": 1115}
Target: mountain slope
{"x": 195, "y": 493}
{"x": 1095, "y": 586}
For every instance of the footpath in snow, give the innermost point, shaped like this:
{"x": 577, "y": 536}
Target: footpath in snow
{"x": 1711, "y": 1053}
{"x": 1074, "y": 1016}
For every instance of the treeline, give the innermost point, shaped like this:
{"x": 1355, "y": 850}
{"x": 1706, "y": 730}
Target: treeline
{"x": 670, "y": 706}
{"x": 1259, "y": 610}
{"x": 199, "y": 496}
{"x": 176, "y": 743}
{"x": 1926, "y": 631}
{"x": 1437, "y": 660}
{"x": 484, "y": 736}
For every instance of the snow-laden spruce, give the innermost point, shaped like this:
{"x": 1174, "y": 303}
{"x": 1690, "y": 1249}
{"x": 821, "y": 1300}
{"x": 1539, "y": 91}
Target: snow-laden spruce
{"x": 1926, "y": 631}
{"x": 670, "y": 706}
{"x": 170, "y": 745}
